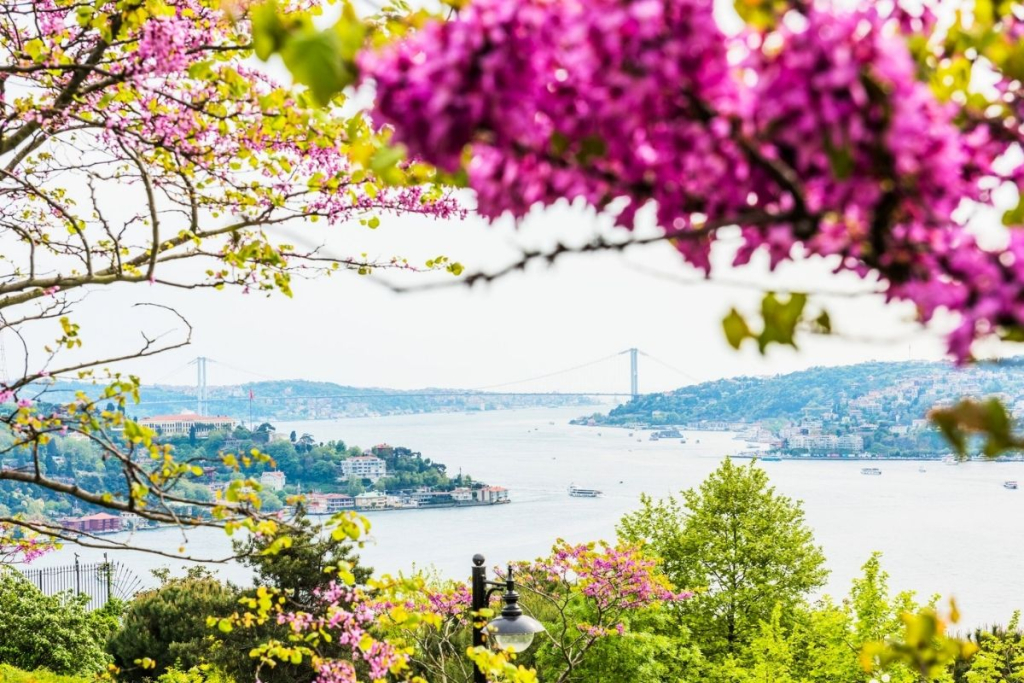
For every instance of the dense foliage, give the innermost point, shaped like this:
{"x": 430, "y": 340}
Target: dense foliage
{"x": 164, "y": 628}
{"x": 56, "y": 633}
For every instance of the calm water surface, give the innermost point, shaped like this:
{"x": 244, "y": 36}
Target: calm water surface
{"x": 949, "y": 530}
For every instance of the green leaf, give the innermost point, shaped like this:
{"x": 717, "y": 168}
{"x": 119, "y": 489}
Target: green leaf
{"x": 736, "y": 329}
{"x": 268, "y": 30}
{"x": 780, "y": 319}
{"x": 1015, "y": 216}
{"x": 315, "y": 61}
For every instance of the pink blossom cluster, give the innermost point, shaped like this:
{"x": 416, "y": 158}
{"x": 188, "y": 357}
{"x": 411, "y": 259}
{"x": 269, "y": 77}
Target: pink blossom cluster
{"x": 16, "y": 546}
{"x": 347, "y": 618}
{"x": 816, "y": 132}
{"x": 619, "y": 577}
{"x": 170, "y": 44}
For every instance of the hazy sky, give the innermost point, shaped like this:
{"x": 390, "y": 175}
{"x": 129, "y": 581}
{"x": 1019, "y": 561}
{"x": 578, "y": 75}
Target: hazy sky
{"x": 350, "y": 330}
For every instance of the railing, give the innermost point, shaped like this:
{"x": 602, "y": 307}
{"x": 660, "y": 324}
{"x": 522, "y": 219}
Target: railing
{"x": 101, "y": 581}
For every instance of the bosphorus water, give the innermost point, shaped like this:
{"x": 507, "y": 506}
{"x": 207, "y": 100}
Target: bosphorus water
{"x": 952, "y": 530}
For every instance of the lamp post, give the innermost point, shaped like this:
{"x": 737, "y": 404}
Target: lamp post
{"x": 513, "y": 630}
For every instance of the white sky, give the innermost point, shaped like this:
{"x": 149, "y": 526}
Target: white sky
{"x": 348, "y": 329}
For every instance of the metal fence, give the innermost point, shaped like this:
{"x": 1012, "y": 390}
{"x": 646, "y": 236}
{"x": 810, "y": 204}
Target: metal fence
{"x": 101, "y": 581}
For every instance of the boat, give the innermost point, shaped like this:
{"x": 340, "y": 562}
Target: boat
{"x": 1009, "y": 485}
{"x": 921, "y": 469}
{"x": 577, "y": 492}
{"x": 950, "y": 460}
{"x": 870, "y": 470}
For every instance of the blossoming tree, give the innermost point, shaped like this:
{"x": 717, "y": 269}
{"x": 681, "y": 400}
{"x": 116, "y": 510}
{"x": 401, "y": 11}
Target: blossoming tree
{"x": 139, "y": 145}
{"x": 412, "y": 629}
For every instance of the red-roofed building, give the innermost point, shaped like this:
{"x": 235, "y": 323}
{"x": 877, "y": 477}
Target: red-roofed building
{"x": 92, "y": 524}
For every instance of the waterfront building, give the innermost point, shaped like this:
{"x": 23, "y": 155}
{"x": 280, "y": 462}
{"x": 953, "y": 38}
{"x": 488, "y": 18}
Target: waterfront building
{"x": 492, "y": 494}
{"x": 338, "y": 502}
{"x": 328, "y": 503}
{"x": 371, "y": 500}
{"x": 363, "y": 467}
{"x": 273, "y": 480}
{"x": 92, "y": 524}
{"x": 183, "y": 423}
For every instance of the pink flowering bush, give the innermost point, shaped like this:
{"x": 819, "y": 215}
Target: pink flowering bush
{"x": 18, "y": 546}
{"x": 843, "y": 130}
{"x": 407, "y": 627}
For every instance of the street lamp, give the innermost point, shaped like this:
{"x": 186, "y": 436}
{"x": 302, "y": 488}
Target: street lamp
{"x": 513, "y": 630}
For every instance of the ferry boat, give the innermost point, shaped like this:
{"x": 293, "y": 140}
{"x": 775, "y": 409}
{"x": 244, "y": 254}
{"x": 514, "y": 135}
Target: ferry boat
{"x": 1009, "y": 485}
{"x": 577, "y": 492}
{"x": 870, "y": 470}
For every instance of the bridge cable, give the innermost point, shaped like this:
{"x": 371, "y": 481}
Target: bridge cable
{"x": 545, "y": 376}
{"x": 671, "y": 367}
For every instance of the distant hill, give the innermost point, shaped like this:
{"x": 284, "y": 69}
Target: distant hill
{"x": 309, "y": 400}
{"x": 894, "y": 393}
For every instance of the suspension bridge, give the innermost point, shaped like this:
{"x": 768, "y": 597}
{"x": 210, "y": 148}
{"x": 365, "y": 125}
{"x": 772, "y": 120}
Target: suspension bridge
{"x": 514, "y": 388}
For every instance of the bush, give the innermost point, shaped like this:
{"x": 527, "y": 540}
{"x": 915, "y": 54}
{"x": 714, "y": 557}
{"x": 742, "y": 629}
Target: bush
{"x": 10, "y": 674}
{"x": 51, "y": 632}
{"x": 168, "y": 625}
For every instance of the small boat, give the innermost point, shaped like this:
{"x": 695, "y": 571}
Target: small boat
{"x": 921, "y": 469}
{"x": 950, "y": 460}
{"x": 1009, "y": 485}
{"x": 870, "y": 470}
{"x": 577, "y": 492}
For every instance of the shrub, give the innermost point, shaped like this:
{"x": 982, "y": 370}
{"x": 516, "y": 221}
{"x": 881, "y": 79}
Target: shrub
{"x": 10, "y": 674}
{"x": 168, "y": 625}
{"x": 51, "y": 632}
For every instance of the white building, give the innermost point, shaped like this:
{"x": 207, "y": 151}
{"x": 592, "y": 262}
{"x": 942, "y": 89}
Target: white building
{"x": 274, "y": 480}
{"x": 371, "y": 500}
{"x": 183, "y": 423}
{"x": 363, "y": 467}
{"x": 492, "y": 494}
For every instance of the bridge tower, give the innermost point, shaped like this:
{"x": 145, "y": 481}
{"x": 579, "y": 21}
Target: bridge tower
{"x": 634, "y": 378}
{"x": 200, "y": 384}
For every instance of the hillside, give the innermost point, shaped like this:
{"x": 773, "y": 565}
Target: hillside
{"x": 309, "y": 400}
{"x": 893, "y": 393}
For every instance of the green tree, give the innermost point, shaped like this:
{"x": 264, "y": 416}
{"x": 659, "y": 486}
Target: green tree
{"x": 1001, "y": 655}
{"x": 51, "y": 632}
{"x": 744, "y": 547}
{"x": 299, "y": 572}
{"x": 168, "y": 625}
